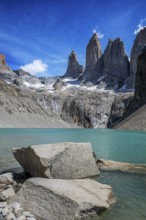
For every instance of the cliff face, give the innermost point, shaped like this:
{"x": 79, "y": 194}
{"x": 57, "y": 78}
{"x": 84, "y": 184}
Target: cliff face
{"x": 134, "y": 116}
{"x": 19, "y": 109}
{"x": 74, "y": 69}
{"x": 3, "y": 65}
{"x": 112, "y": 67}
{"x": 93, "y": 51}
{"x": 5, "y": 72}
{"x": 139, "y": 43}
{"x": 116, "y": 64}
{"x": 140, "y": 83}
{"x": 93, "y": 54}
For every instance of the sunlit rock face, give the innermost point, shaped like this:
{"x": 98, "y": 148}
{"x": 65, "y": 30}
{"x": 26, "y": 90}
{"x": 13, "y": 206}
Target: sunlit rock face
{"x": 93, "y": 54}
{"x": 74, "y": 69}
{"x": 5, "y": 72}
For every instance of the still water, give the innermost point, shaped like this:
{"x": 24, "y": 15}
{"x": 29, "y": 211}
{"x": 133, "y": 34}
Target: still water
{"x": 125, "y": 146}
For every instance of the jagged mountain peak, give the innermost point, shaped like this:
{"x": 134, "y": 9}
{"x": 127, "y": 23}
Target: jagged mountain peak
{"x": 74, "y": 69}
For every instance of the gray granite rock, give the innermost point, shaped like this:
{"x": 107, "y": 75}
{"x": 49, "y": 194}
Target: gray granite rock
{"x": 64, "y": 199}
{"x": 59, "y": 161}
{"x": 5, "y": 194}
{"x": 6, "y": 178}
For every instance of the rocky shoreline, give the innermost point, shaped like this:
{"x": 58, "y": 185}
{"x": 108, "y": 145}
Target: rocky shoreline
{"x": 55, "y": 182}
{"x": 54, "y": 185}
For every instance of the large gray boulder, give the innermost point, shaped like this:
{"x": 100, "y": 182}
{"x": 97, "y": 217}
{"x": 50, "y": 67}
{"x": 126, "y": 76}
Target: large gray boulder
{"x": 60, "y": 161}
{"x": 50, "y": 199}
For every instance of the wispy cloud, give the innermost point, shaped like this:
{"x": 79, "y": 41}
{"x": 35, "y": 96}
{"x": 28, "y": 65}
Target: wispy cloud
{"x": 37, "y": 66}
{"x": 140, "y": 26}
{"x": 97, "y": 31}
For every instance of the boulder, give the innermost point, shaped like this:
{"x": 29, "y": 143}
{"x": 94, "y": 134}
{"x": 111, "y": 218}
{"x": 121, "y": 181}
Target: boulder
{"x": 64, "y": 199}
{"x": 59, "y": 84}
{"x": 111, "y": 165}
{"x": 74, "y": 69}
{"x": 60, "y": 161}
{"x": 6, "y": 178}
{"x": 5, "y": 194}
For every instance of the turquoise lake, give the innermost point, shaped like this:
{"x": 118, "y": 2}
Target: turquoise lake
{"x": 125, "y": 146}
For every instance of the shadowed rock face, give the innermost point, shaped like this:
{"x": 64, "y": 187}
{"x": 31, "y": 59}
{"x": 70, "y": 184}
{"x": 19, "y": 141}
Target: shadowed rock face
{"x": 74, "y": 69}
{"x": 139, "y": 43}
{"x": 140, "y": 83}
{"x": 134, "y": 117}
{"x": 116, "y": 64}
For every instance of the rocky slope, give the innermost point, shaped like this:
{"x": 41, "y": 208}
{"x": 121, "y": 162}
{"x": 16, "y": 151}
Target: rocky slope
{"x": 19, "y": 109}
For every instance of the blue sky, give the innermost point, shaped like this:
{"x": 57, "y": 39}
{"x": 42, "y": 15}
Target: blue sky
{"x": 40, "y": 34}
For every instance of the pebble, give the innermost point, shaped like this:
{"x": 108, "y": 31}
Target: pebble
{"x": 5, "y": 194}
{"x": 5, "y": 211}
{"x": 1, "y": 217}
{"x": 22, "y": 217}
{"x": 3, "y": 204}
{"x": 6, "y": 178}
{"x": 10, "y": 216}
{"x": 26, "y": 213}
{"x": 12, "y": 211}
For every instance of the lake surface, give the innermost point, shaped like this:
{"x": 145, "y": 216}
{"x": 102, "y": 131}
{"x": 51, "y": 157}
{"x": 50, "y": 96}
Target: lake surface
{"x": 125, "y": 146}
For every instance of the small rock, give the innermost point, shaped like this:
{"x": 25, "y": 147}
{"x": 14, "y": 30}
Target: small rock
{"x": 22, "y": 217}
{"x": 6, "y": 178}
{"x": 10, "y": 216}
{"x": 1, "y": 217}
{"x": 5, "y": 211}
{"x": 2, "y": 186}
{"x": 30, "y": 218}
{"x": 15, "y": 206}
{"x": 5, "y": 194}
{"x": 26, "y": 213}
{"x": 3, "y": 204}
